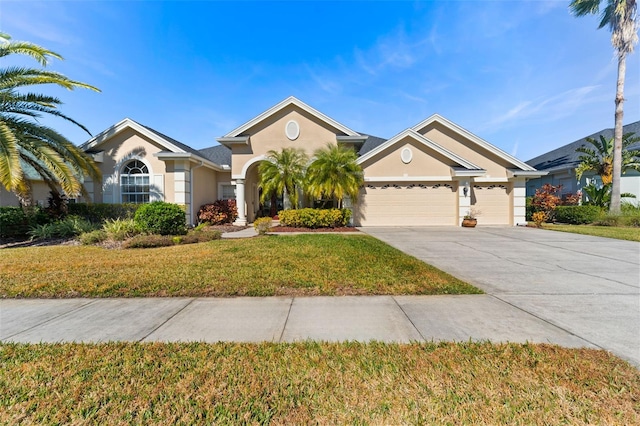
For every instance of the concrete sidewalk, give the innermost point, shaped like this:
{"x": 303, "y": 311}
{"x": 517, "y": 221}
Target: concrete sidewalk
{"x": 276, "y": 319}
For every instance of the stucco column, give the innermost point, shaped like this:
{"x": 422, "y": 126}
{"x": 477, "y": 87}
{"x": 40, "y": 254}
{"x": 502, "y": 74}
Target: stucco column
{"x": 182, "y": 186}
{"x": 240, "y": 202}
{"x": 464, "y": 200}
{"x": 519, "y": 202}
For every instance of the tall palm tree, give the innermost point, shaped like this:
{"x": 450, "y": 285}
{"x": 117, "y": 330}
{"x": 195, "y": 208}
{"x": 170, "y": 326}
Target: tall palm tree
{"x": 599, "y": 157}
{"x": 334, "y": 173}
{"x": 621, "y": 18}
{"x": 24, "y": 141}
{"x": 282, "y": 174}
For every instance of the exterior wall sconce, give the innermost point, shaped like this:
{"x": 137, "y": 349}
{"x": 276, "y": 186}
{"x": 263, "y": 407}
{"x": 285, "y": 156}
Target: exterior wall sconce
{"x": 465, "y": 189}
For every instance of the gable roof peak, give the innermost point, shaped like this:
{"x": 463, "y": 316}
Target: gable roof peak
{"x": 291, "y": 100}
{"x": 473, "y": 138}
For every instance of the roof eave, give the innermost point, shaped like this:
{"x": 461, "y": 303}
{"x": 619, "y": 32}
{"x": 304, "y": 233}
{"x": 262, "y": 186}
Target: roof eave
{"x": 163, "y": 155}
{"x": 474, "y": 138}
{"x": 526, "y": 173}
{"x": 291, "y": 100}
{"x": 229, "y": 141}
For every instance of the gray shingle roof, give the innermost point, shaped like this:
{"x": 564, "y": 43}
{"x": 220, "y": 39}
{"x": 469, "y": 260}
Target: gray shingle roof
{"x": 371, "y": 143}
{"x": 566, "y": 156}
{"x": 179, "y": 144}
{"x": 218, "y": 154}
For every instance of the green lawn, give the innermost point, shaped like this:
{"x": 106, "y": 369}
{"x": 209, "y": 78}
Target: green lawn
{"x": 620, "y": 233}
{"x": 265, "y": 266}
{"x": 318, "y": 383}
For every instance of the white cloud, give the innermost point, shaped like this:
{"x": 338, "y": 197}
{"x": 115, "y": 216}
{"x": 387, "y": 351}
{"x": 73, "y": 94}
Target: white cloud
{"x": 549, "y": 108}
{"x": 328, "y": 85}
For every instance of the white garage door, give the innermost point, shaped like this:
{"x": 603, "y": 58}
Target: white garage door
{"x": 493, "y": 203}
{"x": 415, "y": 204}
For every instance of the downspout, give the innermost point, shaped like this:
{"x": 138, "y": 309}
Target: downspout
{"x": 193, "y": 213}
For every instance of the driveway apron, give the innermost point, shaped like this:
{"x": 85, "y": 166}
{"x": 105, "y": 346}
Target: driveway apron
{"x": 586, "y": 286}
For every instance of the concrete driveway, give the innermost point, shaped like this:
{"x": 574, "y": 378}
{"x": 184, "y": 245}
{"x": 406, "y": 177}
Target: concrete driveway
{"x": 586, "y": 286}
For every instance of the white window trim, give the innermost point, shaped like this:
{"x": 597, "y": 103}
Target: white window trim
{"x": 120, "y": 166}
{"x": 228, "y": 183}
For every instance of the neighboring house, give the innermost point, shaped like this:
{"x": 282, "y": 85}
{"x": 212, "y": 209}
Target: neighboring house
{"x": 430, "y": 174}
{"x": 560, "y": 164}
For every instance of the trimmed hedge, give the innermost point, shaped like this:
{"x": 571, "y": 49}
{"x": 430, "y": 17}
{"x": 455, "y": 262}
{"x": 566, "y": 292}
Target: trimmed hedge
{"x": 16, "y": 223}
{"x": 577, "y": 215}
{"x": 99, "y": 212}
{"x": 315, "y": 218}
{"x": 161, "y": 218}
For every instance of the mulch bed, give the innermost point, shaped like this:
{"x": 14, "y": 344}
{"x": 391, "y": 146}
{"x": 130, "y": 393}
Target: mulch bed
{"x": 15, "y": 243}
{"x": 227, "y": 228}
{"x": 293, "y": 229}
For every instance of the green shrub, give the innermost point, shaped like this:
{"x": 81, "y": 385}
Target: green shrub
{"x": 315, "y": 218}
{"x": 99, "y": 213}
{"x": 578, "y": 215}
{"x": 161, "y": 218}
{"x": 66, "y": 228}
{"x": 121, "y": 229}
{"x": 610, "y": 220}
{"x": 149, "y": 241}
{"x": 262, "y": 225}
{"x": 218, "y": 212}
{"x": 93, "y": 237}
{"x": 15, "y": 222}
{"x": 530, "y": 209}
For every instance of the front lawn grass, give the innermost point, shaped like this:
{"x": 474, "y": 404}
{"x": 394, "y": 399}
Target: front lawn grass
{"x": 265, "y": 266}
{"x": 617, "y": 232}
{"x": 315, "y": 383}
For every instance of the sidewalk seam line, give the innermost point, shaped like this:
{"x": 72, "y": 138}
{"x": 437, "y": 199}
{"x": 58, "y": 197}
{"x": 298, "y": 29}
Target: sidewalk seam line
{"x": 91, "y": 301}
{"x": 408, "y": 318}
{"x": 167, "y": 320}
{"x": 550, "y": 323}
{"x": 286, "y": 321}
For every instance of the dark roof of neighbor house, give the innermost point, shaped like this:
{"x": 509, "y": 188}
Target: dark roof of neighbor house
{"x": 218, "y": 154}
{"x": 370, "y": 144}
{"x": 566, "y": 156}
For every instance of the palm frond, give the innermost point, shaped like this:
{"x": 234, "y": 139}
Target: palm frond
{"x": 36, "y": 52}
{"x": 10, "y": 170}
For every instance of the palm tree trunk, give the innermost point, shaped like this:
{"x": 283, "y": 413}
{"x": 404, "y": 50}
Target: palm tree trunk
{"x": 614, "y": 208}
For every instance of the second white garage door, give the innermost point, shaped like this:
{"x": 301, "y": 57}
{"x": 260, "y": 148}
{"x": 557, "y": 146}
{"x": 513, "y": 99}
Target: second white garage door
{"x": 493, "y": 202}
{"x": 414, "y": 204}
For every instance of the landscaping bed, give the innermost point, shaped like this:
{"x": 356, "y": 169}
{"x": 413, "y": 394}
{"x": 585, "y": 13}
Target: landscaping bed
{"x": 315, "y": 383}
{"x": 296, "y": 229}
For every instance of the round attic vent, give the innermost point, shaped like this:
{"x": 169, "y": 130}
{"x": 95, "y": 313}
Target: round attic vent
{"x": 406, "y": 155}
{"x": 292, "y": 130}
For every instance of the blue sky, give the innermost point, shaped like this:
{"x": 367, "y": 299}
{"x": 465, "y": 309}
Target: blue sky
{"x": 524, "y": 75}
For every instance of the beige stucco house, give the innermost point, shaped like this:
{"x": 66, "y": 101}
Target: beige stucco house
{"x": 430, "y": 174}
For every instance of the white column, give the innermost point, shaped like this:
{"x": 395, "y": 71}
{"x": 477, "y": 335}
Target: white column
{"x": 182, "y": 187}
{"x": 520, "y": 202}
{"x": 242, "y": 212}
{"x": 464, "y": 200}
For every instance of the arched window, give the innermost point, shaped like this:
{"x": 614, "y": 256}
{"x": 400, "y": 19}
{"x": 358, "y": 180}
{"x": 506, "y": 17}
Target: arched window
{"x": 134, "y": 182}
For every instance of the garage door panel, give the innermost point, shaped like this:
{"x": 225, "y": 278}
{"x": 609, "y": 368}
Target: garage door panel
{"x": 493, "y": 203}
{"x": 415, "y": 204}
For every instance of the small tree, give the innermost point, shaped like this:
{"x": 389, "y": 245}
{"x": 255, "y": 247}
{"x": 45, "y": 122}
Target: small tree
{"x": 282, "y": 174}
{"x": 599, "y": 157}
{"x": 335, "y": 173}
